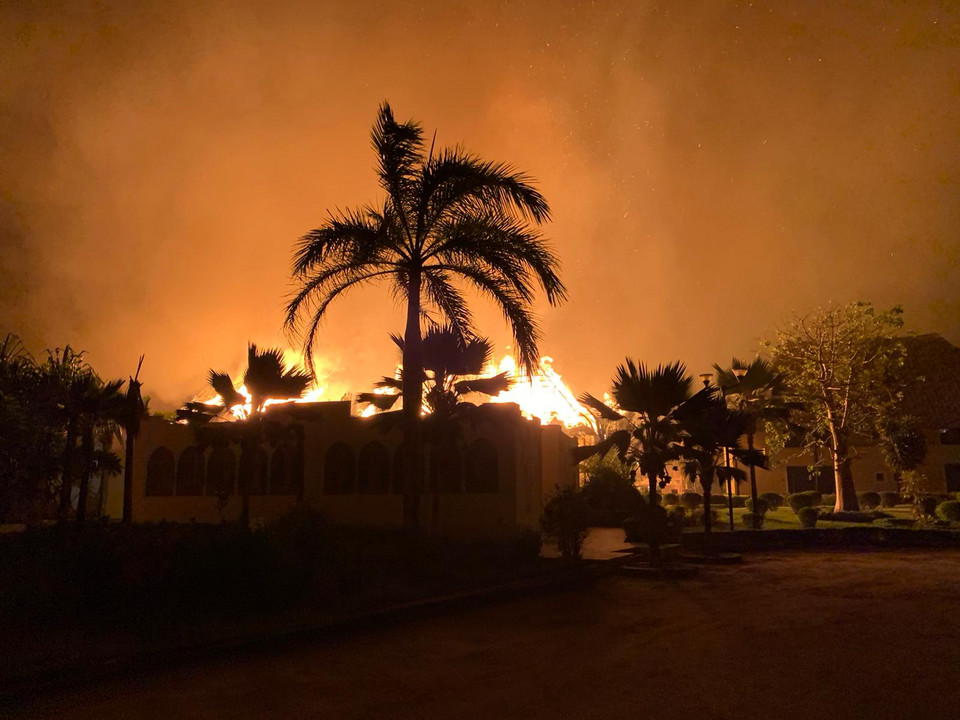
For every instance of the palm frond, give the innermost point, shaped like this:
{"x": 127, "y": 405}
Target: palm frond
{"x": 491, "y": 386}
{"x": 602, "y": 409}
{"x": 380, "y": 401}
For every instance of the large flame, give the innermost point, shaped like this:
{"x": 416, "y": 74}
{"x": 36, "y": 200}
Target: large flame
{"x": 542, "y": 395}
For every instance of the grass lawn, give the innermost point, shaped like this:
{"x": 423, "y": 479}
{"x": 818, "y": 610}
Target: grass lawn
{"x": 785, "y": 519}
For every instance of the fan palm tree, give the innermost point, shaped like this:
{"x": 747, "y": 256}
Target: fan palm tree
{"x": 756, "y": 390}
{"x": 712, "y": 433}
{"x": 650, "y": 404}
{"x": 451, "y": 365}
{"x": 447, "y": 217}
{"x": 267, "y": 377}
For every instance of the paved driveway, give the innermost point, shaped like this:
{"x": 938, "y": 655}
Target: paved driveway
{"x": 811, "y": 635}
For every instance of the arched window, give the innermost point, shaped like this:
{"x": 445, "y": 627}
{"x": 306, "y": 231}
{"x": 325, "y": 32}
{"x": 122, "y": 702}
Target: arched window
{"x": 339, "y": 469}
{"x": 373, "y": 469}
{"x": 221, "y": 471}
{"x": 446, "y": 469}
{"x": 482, "y": 469}
{"x": 279, "y": 477}
{"x": 253, "y": 471}
{"x": 160, "y": 472}
{"x": 190, "y": 472}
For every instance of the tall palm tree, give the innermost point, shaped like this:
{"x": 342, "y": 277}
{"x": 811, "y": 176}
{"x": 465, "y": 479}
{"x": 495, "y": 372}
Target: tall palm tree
{"x": 447, "y": 217}
{"x": 756, "y": 390}
{"x": 65, "y": 378}
{"x": 712, "y": 433}
{"x": 102, "y": 411}
{"x": 650, "y": 404}
{"x": 451, "y": 367}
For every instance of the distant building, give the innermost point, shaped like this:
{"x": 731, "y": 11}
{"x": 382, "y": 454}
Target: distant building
{"x": 489, "y": 483}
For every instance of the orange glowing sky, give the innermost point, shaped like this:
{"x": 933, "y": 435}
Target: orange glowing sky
{"x": 711, "y": 166}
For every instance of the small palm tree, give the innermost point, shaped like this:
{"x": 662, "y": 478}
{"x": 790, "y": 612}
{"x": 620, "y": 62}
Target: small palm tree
{"x": 267, "y": 378}
{"x": 447, "y": 217}
{"x": 649, "y": 408}
{"x": 756, "y": 390}
{"x": 451, "y": 366}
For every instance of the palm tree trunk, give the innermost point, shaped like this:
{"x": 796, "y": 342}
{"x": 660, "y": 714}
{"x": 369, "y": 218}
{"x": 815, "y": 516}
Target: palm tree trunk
{"x": 66, "y": 482}
{"x": 707, "y": 482}
{"x": 412, "y": 400}
{"x": 86, "y": 468}
{"x": 753, "y": 481}
{"x": 655, "y": 517}
{"x": 128, "y": 479}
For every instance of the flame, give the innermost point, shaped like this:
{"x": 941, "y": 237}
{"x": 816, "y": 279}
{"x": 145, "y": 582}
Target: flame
{"x": 543, "y": 395}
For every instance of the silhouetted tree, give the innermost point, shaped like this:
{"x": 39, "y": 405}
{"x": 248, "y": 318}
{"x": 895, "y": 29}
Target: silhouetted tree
{"x": 755, "y": 389}
{"x": 447, "y": 216}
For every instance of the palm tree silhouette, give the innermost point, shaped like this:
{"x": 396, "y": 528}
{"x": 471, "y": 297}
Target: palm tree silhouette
{"x": 451, "y": 367}
{"x": 755, "y": 389}
{"x": 267, "y": 377}
{"x": 650, "y": 407}
{"x": 447, "y": 217}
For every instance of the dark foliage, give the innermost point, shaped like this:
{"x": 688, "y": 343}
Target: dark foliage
{"x": 691, "y": 500}
{"x": 949, "y": 510}
{"x": 890, "y": 499}
{"x": 566, "y": 517}
{"x": 808, "y": 516}
{"x": 869, "y": 500}
{"x": 774, "y": 500}
{"x": 758, "y": 508}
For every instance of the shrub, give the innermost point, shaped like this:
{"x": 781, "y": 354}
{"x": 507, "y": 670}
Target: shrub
{"x": 740, "y": 501}
{"x": 774, "y": 500}
{"x": 749, "y": 519}
{"x": 854, "y": 517}
{"x": 797, "y": 501}
{"x": 927, "y": 506}
{"x": 808, "y": 516}
{"x": 691, "y": 500}
{"x": 653, "y": 524}
{"x": 829, "y": 500}
{"x": 949, "y": 511}
{"x": 565, "y": 519}
{"x": 609, "y": 493}
{"x": 868, "y": 500}
{"x": 889, "y": 499}
{"x": 760, "y": 508}
{"x": 670, "y": 499}
{"x": 718, "y": 500}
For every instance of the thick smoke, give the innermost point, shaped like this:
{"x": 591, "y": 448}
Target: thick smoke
{"x": 712, "y": 168}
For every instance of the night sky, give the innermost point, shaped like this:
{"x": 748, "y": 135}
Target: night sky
{"x": 712, "y": 167}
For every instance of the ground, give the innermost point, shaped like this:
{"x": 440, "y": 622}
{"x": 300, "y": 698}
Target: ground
{"x": 813, "y": 635}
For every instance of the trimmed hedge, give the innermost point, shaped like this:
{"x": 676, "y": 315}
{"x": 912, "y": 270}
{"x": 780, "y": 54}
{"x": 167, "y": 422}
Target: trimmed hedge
{"x": 691, "y": 500}
{"x": 928, "y": 506}
{"x": 808, "y": 516}
{"x": 889, "y": 499}
{"x": 740, "y": 501}
{"x": 829, "y": 500}
{"x": 800, "y": 500}
{"x": 670, "y": 499}
{"x": 760, "y": 508}
{"x": 855, "y": 517}
{"x": 774, "y": 500}
{"x": 749, "y": 518}
{"x": 868, "y": 500}
{"x": 949, "y": 511}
